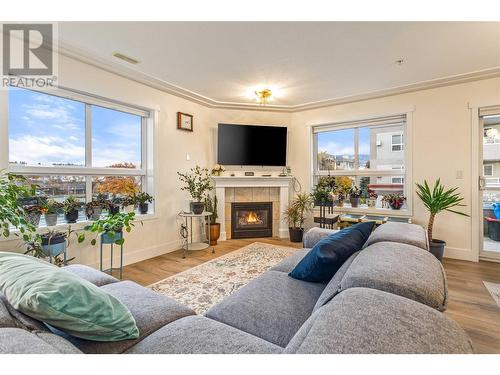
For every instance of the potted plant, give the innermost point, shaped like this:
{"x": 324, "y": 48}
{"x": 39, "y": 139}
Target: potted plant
{"x": 128, "y": 203}
{"x": 436, "y": 200}
{"x": 143, "y": 199}
{"x": 211, "y": 206}
{"x": 50, "y": 210}
{"x": 372, "y": 198}
{"x": 93, "y": 210}
{"x": 295, "y": 215}
{"x": 197, "y": 182}
{"x": 323, "y": 189}
{"x": 218, "y": 169}
{"x": 110, "y": 228}
{"x": 114, "y": 205}
{"x": 354, "y": 195}
{"x": 71, "y": 206}
{"x": 33, "y": 213}
{"x": 344, "y": 185}
{"x": 51, "y": 244}
{"x": 395, "y": 201}
{"x": 13, "y": 189}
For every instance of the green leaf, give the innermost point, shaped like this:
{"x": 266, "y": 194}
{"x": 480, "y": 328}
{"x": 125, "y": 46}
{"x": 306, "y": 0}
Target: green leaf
{"x": 120, "y": 241}
{"x": 81, "y": 238}
{"x": 93, "y": 242}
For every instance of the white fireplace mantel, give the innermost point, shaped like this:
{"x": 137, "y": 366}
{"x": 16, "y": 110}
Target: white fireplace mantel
{"x": 223, "y": 182}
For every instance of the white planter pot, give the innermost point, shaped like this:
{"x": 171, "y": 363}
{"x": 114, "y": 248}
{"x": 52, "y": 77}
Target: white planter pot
{"x": 129, "y": 208}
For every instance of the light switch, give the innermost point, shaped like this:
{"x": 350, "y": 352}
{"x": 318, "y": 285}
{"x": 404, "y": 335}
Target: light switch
{"x": 188, "y": 157}
{"x": 460, "y": 175}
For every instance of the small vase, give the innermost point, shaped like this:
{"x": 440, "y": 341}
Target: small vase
{"x": 71, "y": 216}
{"x": 197, "y": 207}
{"x": 129, "y": 208}
{"x": 143, "y": 208}
{"x": 354, "y": 202}
{"x": 50, "y": 219}
{"x": 371, "y": 202}
{"x": 33, "y": 218}
{"x": 96, "y": 215}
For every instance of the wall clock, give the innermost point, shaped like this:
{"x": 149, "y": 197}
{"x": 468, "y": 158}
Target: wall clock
{"x": 184, "y": 121}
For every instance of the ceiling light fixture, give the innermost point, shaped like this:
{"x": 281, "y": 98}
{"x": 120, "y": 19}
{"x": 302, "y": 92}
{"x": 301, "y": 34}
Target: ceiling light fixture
{"x": 263, "y": 95}
{"x": 123, "y": 57}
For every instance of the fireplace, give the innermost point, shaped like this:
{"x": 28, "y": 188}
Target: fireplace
{"x": 251, "y": 220}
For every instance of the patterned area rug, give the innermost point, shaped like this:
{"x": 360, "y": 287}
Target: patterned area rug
{"x": 494, "y": 290}
{"x": 203, "y": 286}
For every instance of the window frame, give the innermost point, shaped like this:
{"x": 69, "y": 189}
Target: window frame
{"x": 145, "y": 172}
{"x": 400, "y": 145}
{"x": 405, "y": 118}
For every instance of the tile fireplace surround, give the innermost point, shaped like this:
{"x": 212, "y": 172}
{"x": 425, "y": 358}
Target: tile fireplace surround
{"x": 252, "y": 189}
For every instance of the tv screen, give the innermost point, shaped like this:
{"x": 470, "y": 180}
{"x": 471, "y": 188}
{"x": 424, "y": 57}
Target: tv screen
{"x": 251, "y": 145}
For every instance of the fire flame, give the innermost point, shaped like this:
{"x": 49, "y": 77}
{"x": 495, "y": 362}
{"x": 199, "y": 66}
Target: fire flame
{"x": 252, "y": 218}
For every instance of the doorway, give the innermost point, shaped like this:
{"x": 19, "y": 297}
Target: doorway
{"x": 489, "y": 185}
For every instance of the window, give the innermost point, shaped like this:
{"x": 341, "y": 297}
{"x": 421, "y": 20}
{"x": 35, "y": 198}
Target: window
{"x": 371, "y": 153}
{"x": 397, "y": 180}
{"x": 73, "y": 144}
{"x": 488, "y": 169}
{"x": 397, "y": 142}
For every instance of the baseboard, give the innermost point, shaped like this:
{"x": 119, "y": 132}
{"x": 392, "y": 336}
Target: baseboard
{"x": 283, "y": 233}
{"x": 460, "y": 254}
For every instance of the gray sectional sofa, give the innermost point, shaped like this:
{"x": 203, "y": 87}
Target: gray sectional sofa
{"x": 386, "y": 298}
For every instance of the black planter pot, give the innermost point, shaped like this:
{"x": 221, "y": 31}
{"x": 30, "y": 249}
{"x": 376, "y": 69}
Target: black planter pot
{"x": 437, "y": 249}
{"x": 197, "y": 207}
{"x": 296, "y": 234}
{"x": 354, "y": 202}
{"x": 143, "y": 208}
{"x": 71, "y": 216}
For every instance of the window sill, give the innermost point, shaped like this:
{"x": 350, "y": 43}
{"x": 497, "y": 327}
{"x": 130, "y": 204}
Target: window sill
{"x": 78, "y": 226}
{"x": 365, "y": 210}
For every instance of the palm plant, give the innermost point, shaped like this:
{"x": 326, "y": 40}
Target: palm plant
{"x": 438, "y": 199}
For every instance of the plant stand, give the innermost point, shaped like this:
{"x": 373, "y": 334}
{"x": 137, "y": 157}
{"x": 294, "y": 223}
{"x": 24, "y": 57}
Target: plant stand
{"x": 187, "y": 232}
{"x": 110, "y": 240}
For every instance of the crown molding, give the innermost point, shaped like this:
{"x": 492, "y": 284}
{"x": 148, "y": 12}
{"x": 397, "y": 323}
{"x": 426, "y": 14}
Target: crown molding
{"x": 178, "y": 91}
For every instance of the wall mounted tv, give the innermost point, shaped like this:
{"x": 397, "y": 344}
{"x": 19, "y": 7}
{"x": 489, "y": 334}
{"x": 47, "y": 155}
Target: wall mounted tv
{"x": 251, "y": 145}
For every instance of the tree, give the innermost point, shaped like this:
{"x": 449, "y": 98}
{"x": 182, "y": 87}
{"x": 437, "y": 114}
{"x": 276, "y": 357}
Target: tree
{"x": 118, "y": 185}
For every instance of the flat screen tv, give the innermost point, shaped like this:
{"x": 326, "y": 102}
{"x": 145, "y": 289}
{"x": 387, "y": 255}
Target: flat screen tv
{"x": 251, "y": 145}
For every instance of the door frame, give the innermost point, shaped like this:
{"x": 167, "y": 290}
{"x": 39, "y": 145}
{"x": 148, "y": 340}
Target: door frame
{"x": 477, "y": 224}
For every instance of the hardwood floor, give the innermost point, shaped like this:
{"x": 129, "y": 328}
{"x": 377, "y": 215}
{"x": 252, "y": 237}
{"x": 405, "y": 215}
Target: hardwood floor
{"x": 470, "y": 303}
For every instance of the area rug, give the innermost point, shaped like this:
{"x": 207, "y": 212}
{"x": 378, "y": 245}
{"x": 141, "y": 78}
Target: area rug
{"x": 203, "y": 286}
{"x": 494, "y": 290}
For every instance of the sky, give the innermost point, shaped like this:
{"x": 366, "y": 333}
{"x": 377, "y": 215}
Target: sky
{"x": 341, "y": 142}
{"x": 45, "y": 129}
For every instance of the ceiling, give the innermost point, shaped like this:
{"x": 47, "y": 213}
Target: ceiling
{"x": 302, "y": 62}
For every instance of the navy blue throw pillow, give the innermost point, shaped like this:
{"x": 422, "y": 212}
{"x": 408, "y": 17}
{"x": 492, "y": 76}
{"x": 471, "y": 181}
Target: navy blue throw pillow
{"x": 328, "y": 255}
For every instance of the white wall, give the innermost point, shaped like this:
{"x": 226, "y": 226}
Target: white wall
{"x": 161, "y": 234}
{"x": 441, "y": 144}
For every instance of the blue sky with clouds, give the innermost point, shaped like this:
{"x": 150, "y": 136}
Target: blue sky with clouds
{"x": 341, "y": 142}
{"x": 45, "y": 129}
